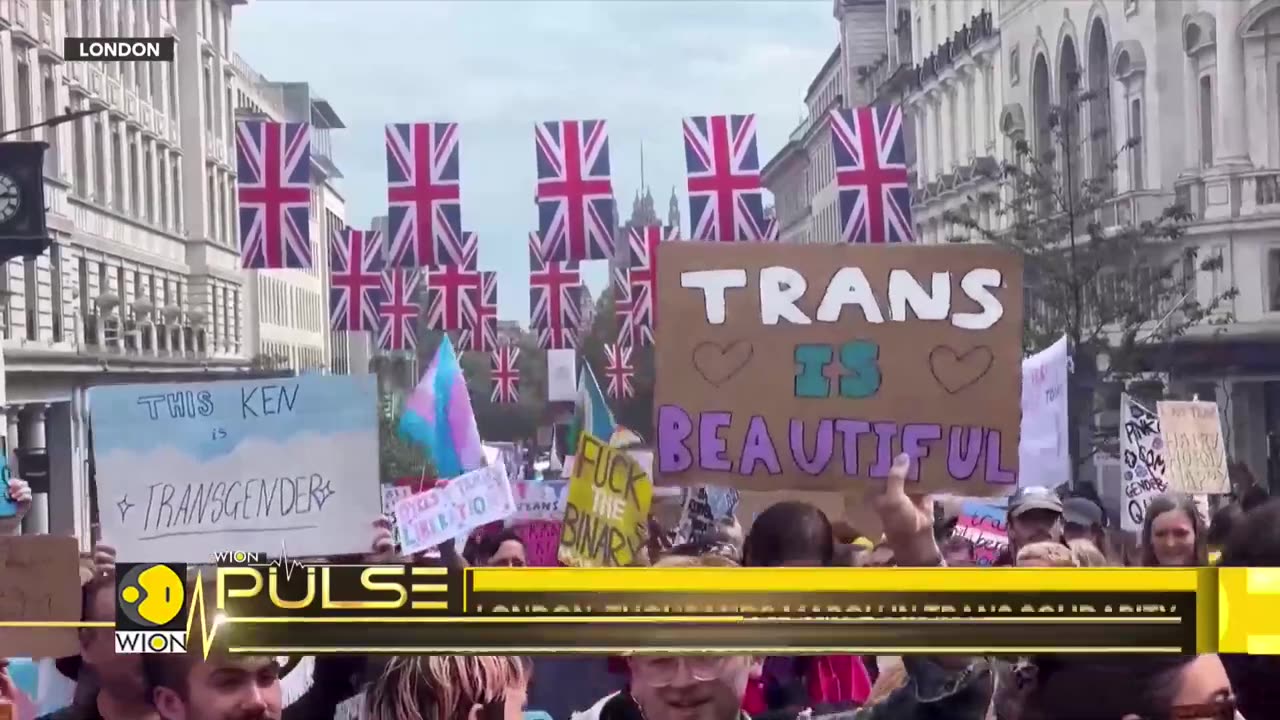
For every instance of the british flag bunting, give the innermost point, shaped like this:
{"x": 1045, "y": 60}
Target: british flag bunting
{"x": 481, "y": 334}
{"x": 505, "y": 374}
{"x": 726, "y": 203}
{"x": 871, "y": 175}
{"x": 555, "y": 296}
{"x": 619, "y": 370}
{"x": 273, "y": 194}
{"x": 355, "y": 279}
{"x": 576, "y": 215}
{"x": 451, "y": 297}
{"x": 398, "y": 314}
{"x": 621, "y": 288}
{"x": 643, "y": 277}
{"x": 424, "y": 213}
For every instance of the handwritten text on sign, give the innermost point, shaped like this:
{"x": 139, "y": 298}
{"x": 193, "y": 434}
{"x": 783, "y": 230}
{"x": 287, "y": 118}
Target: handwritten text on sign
{"x": 538, "y": 501}
{"x": 813, "y": 366}
{"x": 605, "y": 519}
{"x": 447, "y": 511}
{"x": 1142, "y": 459}
{"x": 1195, "y": 450}
{"x": 259, "y": 463}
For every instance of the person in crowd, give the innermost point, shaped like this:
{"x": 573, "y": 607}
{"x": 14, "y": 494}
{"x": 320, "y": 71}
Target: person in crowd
{"x": 1224, "y": 522}
{"x": 503, "y": 549}
{"x": 1086, "y": 554}
{"x": 449, "y": 687}
{"x": 1083, "y": 519}
{"x": 796, "y": 534}
{"x": 1047, "y": 554}
{"x": 1255, "y": 542}
{"x": 958, "y": 552}
{"x": 712, "y": 687}
{"x": 1173, "y": 533}
{"x": 1128, "y": 687}
{"x": 1035, "y": 515}
{"x": 184, "y": 686}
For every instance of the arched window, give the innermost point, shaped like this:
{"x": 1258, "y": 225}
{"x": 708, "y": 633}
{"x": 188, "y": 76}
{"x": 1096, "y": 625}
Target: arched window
{"x": 1069, "y": 118}
{"x": 1129, "y": 69}
{"x": 1040, "y": 104}
{"x": 1099, "y": 61}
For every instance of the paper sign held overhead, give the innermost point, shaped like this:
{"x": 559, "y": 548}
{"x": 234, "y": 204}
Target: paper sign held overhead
{"x": 1142, "y": 457}
{"x": 812, "y": 366}
{"x": 39, "y": 581}
{"x": 538, "y": 501}
{"x": 187, "y": 469}
{"x": 452, "y": 510}
{"x": 562, "y": 375}
{"x": 1194, "y": 447}
{"x": 606, "y": 518}
{"x": 1045, "y": 444}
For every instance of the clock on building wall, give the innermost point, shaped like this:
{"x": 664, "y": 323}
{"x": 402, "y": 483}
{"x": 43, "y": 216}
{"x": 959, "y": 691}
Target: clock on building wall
{"x": 22, "y": 212}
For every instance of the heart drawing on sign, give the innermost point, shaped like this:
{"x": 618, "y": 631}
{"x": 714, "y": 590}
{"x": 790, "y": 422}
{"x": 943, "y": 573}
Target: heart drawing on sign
{"x": 717, "y": 364}
{"x": 955, "y": 371}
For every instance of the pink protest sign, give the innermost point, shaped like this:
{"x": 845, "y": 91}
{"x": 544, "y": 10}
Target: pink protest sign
{"x": 541, "y": 542}
{"x": 986, "y": 527}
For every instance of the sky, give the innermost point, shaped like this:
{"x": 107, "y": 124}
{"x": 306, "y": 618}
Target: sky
{"x": 498, "y": 67}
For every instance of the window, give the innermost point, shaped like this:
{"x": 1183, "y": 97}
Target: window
{"x": 135, "y": 176}
{"x": 79, "y": 156}
{"x": 179, "y": 221}
{"x": 71, "y": 11}
{"x": 50, "y": 101}
{"x": 24, "y": 93}
{"x": 210, "y": 217}
{"x": 1273, "y": 278}
{"x": 1206, "y": 121}
{"x": 55, "y": 289}
{"x": 82, "y": 280}
{"x": 1137, "y": 179}
{"x": 31, "y": 294}
{"x": 104, "y": 13}
{"x": 118, "y": 198}
{"x": 207, "y": 75}
{"x": 149, "y": 173}
{"x": 99, "y": 159}
{"x": 173, "y": 90}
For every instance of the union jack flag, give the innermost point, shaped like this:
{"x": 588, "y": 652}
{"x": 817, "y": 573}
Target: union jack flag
{"x": 398, "y": 314}
{"x": 622, "y": 306}
{"x": 482, "y": 334}
{"x": 424, "y": 213}
{"x": 771, "y": 230}
{"x": 643, "y": 278}
{"x": 871, "y": 175}
{"x": 555, "y": 297}
{"x": 575, "y": 194}
{"x": 619, "y": 370}
{"x": 725, "y": 198}
{"x": 355, "y": 279}
{"x": 451, "y": 298}
{"x": 273, "y": 189}
{"x": 505, "y": 374}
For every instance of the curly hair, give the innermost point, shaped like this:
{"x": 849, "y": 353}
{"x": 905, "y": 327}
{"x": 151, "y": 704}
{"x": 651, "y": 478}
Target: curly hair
{"x": 442, "y": 687}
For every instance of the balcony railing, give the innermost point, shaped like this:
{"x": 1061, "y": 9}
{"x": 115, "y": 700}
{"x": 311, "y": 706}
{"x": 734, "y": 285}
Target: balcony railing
{"x": 979, "y": 28}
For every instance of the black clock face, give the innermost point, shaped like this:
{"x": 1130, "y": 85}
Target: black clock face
{"x": 10, "y": 199}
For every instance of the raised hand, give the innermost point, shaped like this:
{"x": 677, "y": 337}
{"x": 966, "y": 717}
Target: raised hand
{"x": 20, "y": 493}
{"x": 104, "y": 558}
{"x": 907, "y": 519}
{"x": 383, "y": 548}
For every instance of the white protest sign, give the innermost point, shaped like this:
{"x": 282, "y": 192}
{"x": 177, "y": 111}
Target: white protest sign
{"x": 450, "y": 511}
{"x": 538, "y": 501}
{"x": 1194, "y": 446}
{"x": 1142, "y": 462}
{"x": 1043, "y": 447}
{"x": 562, "y": 378}
{"x": 184, "y": 470}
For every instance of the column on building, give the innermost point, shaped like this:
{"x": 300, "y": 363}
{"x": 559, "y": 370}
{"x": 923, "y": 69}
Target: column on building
{"x": 946, "y": 115}
{"x": 1190, "y": 111}
{"x": 1229, "y": 146}
{"x": 919, "y": 114}
{"x": 31, "y": 437}
{"x": 964, "y": 118}
{"x": 981, "y": 107}
{"x": 930, "y": 139}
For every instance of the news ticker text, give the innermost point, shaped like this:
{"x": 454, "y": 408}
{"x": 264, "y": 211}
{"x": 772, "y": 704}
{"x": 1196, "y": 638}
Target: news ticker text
{"x": 335, "y": 609}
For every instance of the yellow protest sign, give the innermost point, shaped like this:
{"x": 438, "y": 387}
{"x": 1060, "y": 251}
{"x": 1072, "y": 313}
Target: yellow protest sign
{"x": 605, "y": 517}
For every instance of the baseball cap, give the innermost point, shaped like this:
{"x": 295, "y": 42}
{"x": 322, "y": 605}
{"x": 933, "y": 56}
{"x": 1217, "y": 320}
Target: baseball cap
{"x": 1034, "y": 498}
{"x": 1081, "y": 511}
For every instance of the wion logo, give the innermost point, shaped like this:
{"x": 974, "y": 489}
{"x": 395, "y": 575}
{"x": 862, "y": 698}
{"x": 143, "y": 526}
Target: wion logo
{"x": 151, "y": 600}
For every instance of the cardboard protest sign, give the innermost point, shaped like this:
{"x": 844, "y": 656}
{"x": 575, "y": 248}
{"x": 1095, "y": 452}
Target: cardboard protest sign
{"x": 39, "y": 581}
{"x": 705, "y": 506}
{"x": 1142, "y": 460}
{"x": 186, "y": 468}
{"x": 1194, "y": 447}
{"x": 391, "y": 495}
{"x": 1044, "y": 444}
{"x": 606, "y": 518}
{"x": 986, "y": 527}
{"x": 451, "y": 510}
{"x": 541, "y": 540}
{"x": 812, "y": 366}
{"x": 538, "y": 501}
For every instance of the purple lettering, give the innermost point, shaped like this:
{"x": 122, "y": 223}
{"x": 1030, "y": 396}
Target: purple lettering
{"x": 963, "y": 451}
{"x": 711, "y": 447}
{"x": 822, "y": 446}
{"x": 850, "y": 430}
{"x": 885, "y": 431}
{"x": 916, "y": 439}
{"x": 996, "y": 474}
{"x": 674, "y": 427}
{"x": 757, "y": 448}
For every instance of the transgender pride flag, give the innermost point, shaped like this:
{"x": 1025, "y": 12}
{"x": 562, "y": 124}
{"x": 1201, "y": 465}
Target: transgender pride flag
{"x": 438, "y": 416}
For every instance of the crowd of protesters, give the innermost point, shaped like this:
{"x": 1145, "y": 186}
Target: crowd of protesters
{"x": 1044, "y": 530}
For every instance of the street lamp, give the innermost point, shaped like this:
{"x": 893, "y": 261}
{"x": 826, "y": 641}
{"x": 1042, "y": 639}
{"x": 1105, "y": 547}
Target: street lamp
{"x": 54, "y": 121}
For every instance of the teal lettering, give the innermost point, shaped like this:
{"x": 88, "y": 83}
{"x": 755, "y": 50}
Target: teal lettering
{"x": 812, "y": 360}
{"x": 861, "y": 378}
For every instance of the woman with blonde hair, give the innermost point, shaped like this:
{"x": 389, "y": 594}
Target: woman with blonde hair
{"x": 1045, "y": 554}
{"x": 1087, "y": 554}
{"x": 449, "y": 687}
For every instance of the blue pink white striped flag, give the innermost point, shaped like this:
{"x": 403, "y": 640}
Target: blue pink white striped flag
{"x": 438, "y": 416}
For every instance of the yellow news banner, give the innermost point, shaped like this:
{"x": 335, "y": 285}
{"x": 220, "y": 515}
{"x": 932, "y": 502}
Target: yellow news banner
{"x": 1236, "y": 608}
